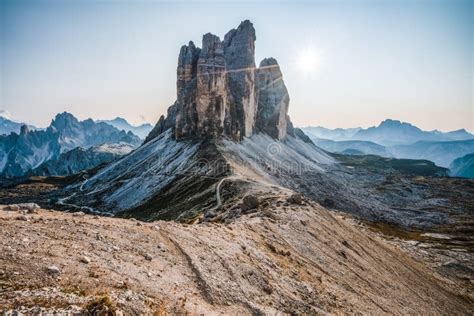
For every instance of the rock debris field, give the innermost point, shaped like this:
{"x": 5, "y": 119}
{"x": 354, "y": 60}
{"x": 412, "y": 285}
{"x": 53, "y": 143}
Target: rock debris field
{"x": 288, "y": 255}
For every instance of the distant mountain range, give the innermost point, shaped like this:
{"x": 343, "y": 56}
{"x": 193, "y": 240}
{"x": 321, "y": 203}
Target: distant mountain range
{"x": 8, "y": 126}
{"x": 20, "y": 153}
{"x": 141, "y": 131}
{"x": 352, "y": 147}
{"x": 337, "y": 134}
{"x": 387, "y": 133}
{"x": 395, "y": 139}
{"x": 441, "y": 153}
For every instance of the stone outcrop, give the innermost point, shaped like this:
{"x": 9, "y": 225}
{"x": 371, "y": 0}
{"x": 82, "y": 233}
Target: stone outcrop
{"x": 221, "y": 93}
{"x": 273, "y": 100}
{"x": 239, "y": 51}
{"x": 211, "y": 89}
{"x": 164, "y": 123}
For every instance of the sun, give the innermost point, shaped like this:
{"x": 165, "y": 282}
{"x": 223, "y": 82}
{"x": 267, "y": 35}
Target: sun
{"x": 307, "y": 60}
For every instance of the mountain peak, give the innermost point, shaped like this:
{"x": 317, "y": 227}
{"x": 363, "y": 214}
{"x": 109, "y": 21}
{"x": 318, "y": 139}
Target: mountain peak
{"x": 269, "y": 61}
{"x": 24, "y": 130}
{"x": 396, "y": 124}
{"x": 221, "y": 93}
{"x": 390, "y": 122}
{"x": 460, "y": 131}
{"x": 63, "y": 120}
{"x": 119, "y": 119}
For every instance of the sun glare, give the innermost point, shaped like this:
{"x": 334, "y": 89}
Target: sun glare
{"x": 308, "y": 60}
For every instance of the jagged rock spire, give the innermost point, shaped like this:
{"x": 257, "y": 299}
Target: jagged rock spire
{"x": 239, "y": 51}
{"x": 273, "y": 100}
{"x": 219, "y": 94}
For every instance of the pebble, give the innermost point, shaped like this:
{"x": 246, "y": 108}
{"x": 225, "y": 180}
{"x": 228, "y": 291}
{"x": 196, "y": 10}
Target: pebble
{"x": 22, "y": 218}
{"x": 53, "y": 270}
{"x": 85, "y": 259}
{"x": 148, "y": 257}
{"x": 77, "y": 214}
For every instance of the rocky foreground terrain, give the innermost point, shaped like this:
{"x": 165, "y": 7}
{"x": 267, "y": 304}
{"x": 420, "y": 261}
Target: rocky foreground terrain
{"x": 284, "y": 254}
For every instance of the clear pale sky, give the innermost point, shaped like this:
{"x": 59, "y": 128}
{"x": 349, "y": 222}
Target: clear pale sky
{"x": 370, "y": 60}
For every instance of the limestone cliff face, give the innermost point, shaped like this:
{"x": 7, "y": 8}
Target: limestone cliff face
{"x": 211, "y": 88}
{"x": 239, "y": 50}
{"x": 273, "y": 100}
{"x": 221, "y": 93}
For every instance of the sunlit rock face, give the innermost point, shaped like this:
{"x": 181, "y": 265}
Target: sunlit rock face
{"x": 211, "y": 89}
{"x": 218, "y": 93}
{"x": 239, "y": 51}
{"x": 273, "y": 100}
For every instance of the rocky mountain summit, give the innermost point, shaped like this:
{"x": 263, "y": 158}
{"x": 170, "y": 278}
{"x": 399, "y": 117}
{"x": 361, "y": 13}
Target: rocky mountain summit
{"x": 220, "y": 92}
{"x": 228, "y": 132}
{"x": 222, "y": 100}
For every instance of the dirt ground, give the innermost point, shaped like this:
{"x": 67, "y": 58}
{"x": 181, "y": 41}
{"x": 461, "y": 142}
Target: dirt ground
{"x": 280, "y": 257}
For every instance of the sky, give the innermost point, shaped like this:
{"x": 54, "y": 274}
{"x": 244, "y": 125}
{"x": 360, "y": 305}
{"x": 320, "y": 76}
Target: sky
{"x": 345, "y": 63}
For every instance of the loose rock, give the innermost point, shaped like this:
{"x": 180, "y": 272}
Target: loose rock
{"x": 295, "y": 199}
{"x": 85, "y": 259}
{"x": 22, "y": 218}
{"x": 249, "y": 202}
{"x": 29, "y": 207}
{"x": 53, "y": 270}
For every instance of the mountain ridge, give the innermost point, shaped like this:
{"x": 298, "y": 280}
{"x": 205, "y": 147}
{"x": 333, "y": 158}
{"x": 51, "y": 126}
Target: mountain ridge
{"x": 121, "y": 123}
{"x": 27, "y": 150}
{"x": 385, "y": 133}
{"x": 8, "y": 126}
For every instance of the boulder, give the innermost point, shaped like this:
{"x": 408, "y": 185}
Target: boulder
{"x": 249, "y": 202}
{"x": 295, "y": 199}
